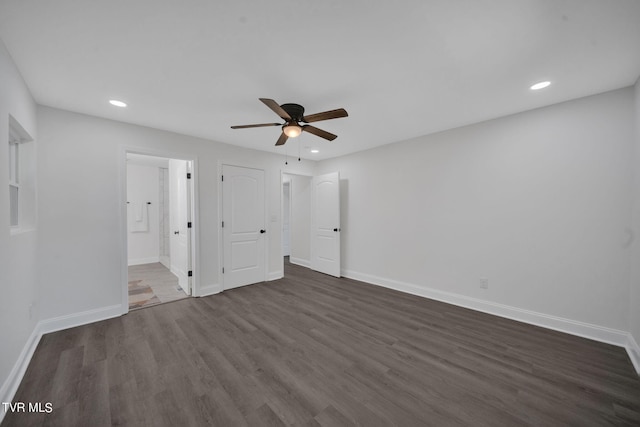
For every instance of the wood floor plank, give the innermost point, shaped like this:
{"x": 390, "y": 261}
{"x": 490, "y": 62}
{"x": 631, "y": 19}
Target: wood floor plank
{"x": 314, "y": 350}
{"x": 218, "y": 409}
{"x": 126, "y": 408}
{"x": 265, "y": 416}
{"x": 93, "y": 395}
{"x": 331, "y": 417}
{"x": 67, "y": 377}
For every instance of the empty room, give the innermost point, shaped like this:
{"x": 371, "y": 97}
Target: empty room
{"x": 320, "y": 213}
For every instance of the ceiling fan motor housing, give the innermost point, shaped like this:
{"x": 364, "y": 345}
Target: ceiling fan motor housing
{"x": 296, "y": 111}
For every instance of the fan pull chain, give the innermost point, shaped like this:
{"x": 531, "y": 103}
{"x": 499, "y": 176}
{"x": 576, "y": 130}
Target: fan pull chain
{"x": 298, "y": 149}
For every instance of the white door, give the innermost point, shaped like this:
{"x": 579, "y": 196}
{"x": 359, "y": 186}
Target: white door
{"x": 325, "y": 224}
{"x": 243, "y": 231}
{"x": 179, "y": 219}
{"x": 286, "y": 219}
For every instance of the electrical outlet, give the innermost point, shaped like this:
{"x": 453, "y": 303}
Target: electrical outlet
{"x": 484, "y": 283}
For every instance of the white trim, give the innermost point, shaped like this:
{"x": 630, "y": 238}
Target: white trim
{"x": 141, "y": 261}
{"x": 282, "y": 174}
{"x": 195, "y": 228}
{"x": 14, "y": 231}
{"x": 275, "y": 275}
{"x": 124, "y": 230}
{"x": 300, "y": 261}
{"x": 207, "y": 290}
{"x": 10, "y": 386}
{"x": 220, "y": 236}
{"x": 164, "y": 260}
{"x": 78, "y": 319}
{"x": 573, "y": 327}
{"x": 634, "y": 352}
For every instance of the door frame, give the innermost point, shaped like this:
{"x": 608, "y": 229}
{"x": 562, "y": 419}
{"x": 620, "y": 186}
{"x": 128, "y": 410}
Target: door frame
{"x": 267, "y": 223}
{"x": 122, "y": 215}
{"x": 282, "y": 173}
{"x": 282, "y": 214}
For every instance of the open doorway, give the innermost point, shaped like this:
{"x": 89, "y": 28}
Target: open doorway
{"x": 158, "y": 193}
{"x": 296, "y": 219}
{"x": 311, "y": 221}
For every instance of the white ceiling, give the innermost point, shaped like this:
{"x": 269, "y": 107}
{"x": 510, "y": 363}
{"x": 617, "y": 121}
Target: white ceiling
{"x": 401, "y": 69}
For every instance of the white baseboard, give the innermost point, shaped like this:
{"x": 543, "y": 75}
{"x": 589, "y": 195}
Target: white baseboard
{"x": 10, "y": 386}
{"x": 79, "y": 319}
{"x": 205, "y": 291}
{"x": 164, "y": 260}
{"x": 634, "y": 352}
{"x": 275, "y": 275}
{"x": 141, "y": 261}
{"x": 573, "y": 327}
{"x": 300, "y": 261}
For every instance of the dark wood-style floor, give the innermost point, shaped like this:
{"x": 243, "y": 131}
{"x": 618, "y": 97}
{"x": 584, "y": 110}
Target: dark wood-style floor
{"x": 311, "y": 350}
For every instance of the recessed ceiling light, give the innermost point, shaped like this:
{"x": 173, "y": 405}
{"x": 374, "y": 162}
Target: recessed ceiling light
{"x": 117, "y": 103}
{"x": 314, "y": 151}
{"x": 540, "y": 85}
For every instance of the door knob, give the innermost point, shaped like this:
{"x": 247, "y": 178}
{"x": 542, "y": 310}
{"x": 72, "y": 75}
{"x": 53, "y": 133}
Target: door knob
{"x": 176, "y": 232}
{"x": 263, "y": 231}
{"x": 336, "y": 229}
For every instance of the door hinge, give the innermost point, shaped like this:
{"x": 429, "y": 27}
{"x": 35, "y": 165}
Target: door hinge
{"x": 188, "y": 175}
{"x": 222, "y": 270}
{"x": 190, "y": 273}
{"x": 189, "y": 224}
{"x": 222, "y": 177}
{"x": 222, "y": 224}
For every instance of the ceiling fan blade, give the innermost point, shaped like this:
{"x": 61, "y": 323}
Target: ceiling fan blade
{"x": 319, "y": 132}
{"x": 283, "y": 138}
{"x": 326, "y": 115}
{"x": 276, "y": 108}
{"x": 256, "y": 126}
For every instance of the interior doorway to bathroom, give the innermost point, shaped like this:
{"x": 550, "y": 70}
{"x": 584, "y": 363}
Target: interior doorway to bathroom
{"x": 159, "y": 193}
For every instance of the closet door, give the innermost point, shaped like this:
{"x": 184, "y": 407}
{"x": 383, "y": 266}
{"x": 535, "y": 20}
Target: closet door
{"x": 325, "y": 224}
{"x": 244, "y": 232}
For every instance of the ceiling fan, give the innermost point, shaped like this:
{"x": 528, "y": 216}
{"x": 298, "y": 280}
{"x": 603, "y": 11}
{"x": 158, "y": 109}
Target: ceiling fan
{"x": 293, "y": 114}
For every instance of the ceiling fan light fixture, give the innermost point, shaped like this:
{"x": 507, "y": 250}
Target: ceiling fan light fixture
{"x": 292, "y": 130}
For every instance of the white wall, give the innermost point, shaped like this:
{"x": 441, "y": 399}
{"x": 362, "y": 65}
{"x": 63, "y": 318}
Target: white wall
{"x": 81, "y": 247}
{"x": 143, "y": 185}
{"x": 538, "y": 202}
{"x": 17, "y": 251}
{"x": 300, "y": 220}
{"x": 634, "y": 297}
